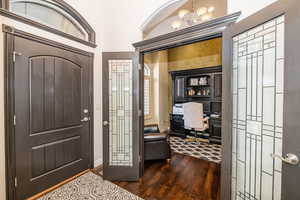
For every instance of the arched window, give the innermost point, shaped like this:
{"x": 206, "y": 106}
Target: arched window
{"x": 55, "y": 14}
{"x": 147, "y": 91}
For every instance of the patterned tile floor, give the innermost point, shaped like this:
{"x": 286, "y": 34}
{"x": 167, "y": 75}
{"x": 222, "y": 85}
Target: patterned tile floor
{"x": 205, "y": 151}
{"x": 90, "y": 187}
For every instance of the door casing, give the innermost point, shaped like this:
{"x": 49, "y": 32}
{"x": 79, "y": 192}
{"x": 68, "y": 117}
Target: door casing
{"x": 178, "y": 38}
{"x": 10, "y": 165}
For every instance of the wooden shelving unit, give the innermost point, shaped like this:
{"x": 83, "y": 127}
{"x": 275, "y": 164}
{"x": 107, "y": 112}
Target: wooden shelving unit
{"x": 198, "y": 81}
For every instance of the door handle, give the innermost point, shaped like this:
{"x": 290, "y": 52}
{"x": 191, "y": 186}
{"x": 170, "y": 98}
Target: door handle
{"x": 85, "y": 119}
{"x": 105, "y": 123}
{"x": 289, "y": 158}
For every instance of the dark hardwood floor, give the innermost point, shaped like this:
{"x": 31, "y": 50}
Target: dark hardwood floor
{"x": 184, "y": 178}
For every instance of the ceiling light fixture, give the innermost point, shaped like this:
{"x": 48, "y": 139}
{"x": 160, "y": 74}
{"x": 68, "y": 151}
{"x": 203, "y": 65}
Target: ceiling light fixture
{"x": 176, "y": 24}
{"x": 182, "y": 13}
{"x": 211, "y": 9}
{"x": 206, "y": 17}
{"x": 201, "y": 11}
{"x": 188, "y": 18}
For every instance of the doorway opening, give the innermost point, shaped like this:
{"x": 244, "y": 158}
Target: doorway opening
{"x": 182, "y": 113}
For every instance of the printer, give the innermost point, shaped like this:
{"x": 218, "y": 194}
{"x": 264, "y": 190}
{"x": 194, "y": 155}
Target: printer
{"x": 178, "y": 109}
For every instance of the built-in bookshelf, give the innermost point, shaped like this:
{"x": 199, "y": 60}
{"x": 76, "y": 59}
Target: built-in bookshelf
{"x": 198, "y": 86}
{"x": 202, "y": 85}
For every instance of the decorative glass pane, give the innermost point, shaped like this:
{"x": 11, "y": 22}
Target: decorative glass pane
{"x": 49, "y": 13}
{"x": 147, "y": 71}
{"x": 257, "y": 90}
{"x": 146, "y": 96}
{"x": 147, "y": 90}
{"x": 120, "y": 112}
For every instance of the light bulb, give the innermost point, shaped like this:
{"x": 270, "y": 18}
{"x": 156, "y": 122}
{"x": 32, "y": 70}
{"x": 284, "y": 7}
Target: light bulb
{"x": 176, "y": 24}
{"x": 206, "y": 17}
{"x": 201, "y": 11}
{"x": 210, "y": 9}
{"x": 182, "y": 13}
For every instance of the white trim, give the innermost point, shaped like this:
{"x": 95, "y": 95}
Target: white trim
{"x": 98, "y": 162}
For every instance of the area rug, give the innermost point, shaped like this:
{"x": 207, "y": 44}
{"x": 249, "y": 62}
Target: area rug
{"x": 202, "y": 150}
{"x": 90, "y": 187}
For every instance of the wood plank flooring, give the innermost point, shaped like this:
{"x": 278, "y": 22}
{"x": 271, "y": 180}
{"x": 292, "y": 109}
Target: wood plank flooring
{"x": 185, "y": 178}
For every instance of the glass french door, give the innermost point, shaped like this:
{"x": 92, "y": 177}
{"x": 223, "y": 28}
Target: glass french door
{"x": 120, "y": 135}
{"x": 263, "y": 69}
{"x": 257, "y": 93}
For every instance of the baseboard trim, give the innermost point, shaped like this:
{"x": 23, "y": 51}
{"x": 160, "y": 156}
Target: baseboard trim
{"x": 57, "y": 186}
{"x": 98, "y": 163}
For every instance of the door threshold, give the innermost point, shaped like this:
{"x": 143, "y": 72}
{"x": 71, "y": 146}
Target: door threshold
{"x": 58, "y": 185}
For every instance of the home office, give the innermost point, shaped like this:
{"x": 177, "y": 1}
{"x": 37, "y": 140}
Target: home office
{"x": 183, "y": 100}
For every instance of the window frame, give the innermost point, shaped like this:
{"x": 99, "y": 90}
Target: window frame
{"x": 150, "y": 78}
{"x": 91, "y": 35}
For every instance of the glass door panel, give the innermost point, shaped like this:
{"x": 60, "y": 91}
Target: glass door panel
{"x": 257, "y": 91}
{"x": 120, "y": 113}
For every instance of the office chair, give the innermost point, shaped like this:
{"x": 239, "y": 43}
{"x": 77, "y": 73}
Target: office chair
{"x": 194, "y": 120}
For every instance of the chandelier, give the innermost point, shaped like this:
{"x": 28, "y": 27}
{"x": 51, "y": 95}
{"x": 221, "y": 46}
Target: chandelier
{"x": 197, "y": 15}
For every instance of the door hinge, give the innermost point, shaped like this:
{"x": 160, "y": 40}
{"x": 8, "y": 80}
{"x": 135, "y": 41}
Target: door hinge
{"x": 140, "y": 113}
{"x": 140, "y": 158}
{"x": 15, "y": 120}
{"x": 140, "y": 67}
{"x": 16, "y": 182}
{"x": 16, "y": 54}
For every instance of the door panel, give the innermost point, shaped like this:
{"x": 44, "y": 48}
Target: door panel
{"x": 51, "y": 91}
{"x": 258, "y": 68}
{"x": 121, "y": 147}
{"x": 120, "y": 112}
{"x": 53, "y": 81}
{"x": 261, "y": 63}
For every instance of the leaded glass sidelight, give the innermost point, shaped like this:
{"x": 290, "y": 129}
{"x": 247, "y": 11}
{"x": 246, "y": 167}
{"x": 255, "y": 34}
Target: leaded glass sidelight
{"x": 258, "y": 67}
{"x": 120, "y": 112}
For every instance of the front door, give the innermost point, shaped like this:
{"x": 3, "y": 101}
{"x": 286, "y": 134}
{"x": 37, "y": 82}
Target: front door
{"x": 121, "y": 134}
{"x": 52, "y": 124}
{"x": 262, "y": 111}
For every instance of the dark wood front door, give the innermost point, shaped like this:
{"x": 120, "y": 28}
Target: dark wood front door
{"x": 261, "y": 105}
{"x": 52, "y": 115}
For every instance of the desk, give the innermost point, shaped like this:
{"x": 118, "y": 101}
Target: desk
{"x": 177, "y": 127}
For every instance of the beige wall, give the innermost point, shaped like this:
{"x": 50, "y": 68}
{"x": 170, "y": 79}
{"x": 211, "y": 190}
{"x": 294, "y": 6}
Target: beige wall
{"x": 197, "y": 55}
{"x": 158, "y": 63}
{"x": 164, "y": 120}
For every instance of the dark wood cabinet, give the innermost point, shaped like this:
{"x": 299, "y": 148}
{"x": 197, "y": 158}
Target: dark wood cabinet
{"x": 202, "y": 85}
{"x": 179, "y": 89}
{"x": 215, "y": 130}
{"x": 177, "y": 125}
{"x": 218, "y": 85}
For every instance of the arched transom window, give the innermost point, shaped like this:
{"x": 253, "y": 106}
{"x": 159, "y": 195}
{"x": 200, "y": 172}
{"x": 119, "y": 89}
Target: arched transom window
{"x": 54, "y": 14}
